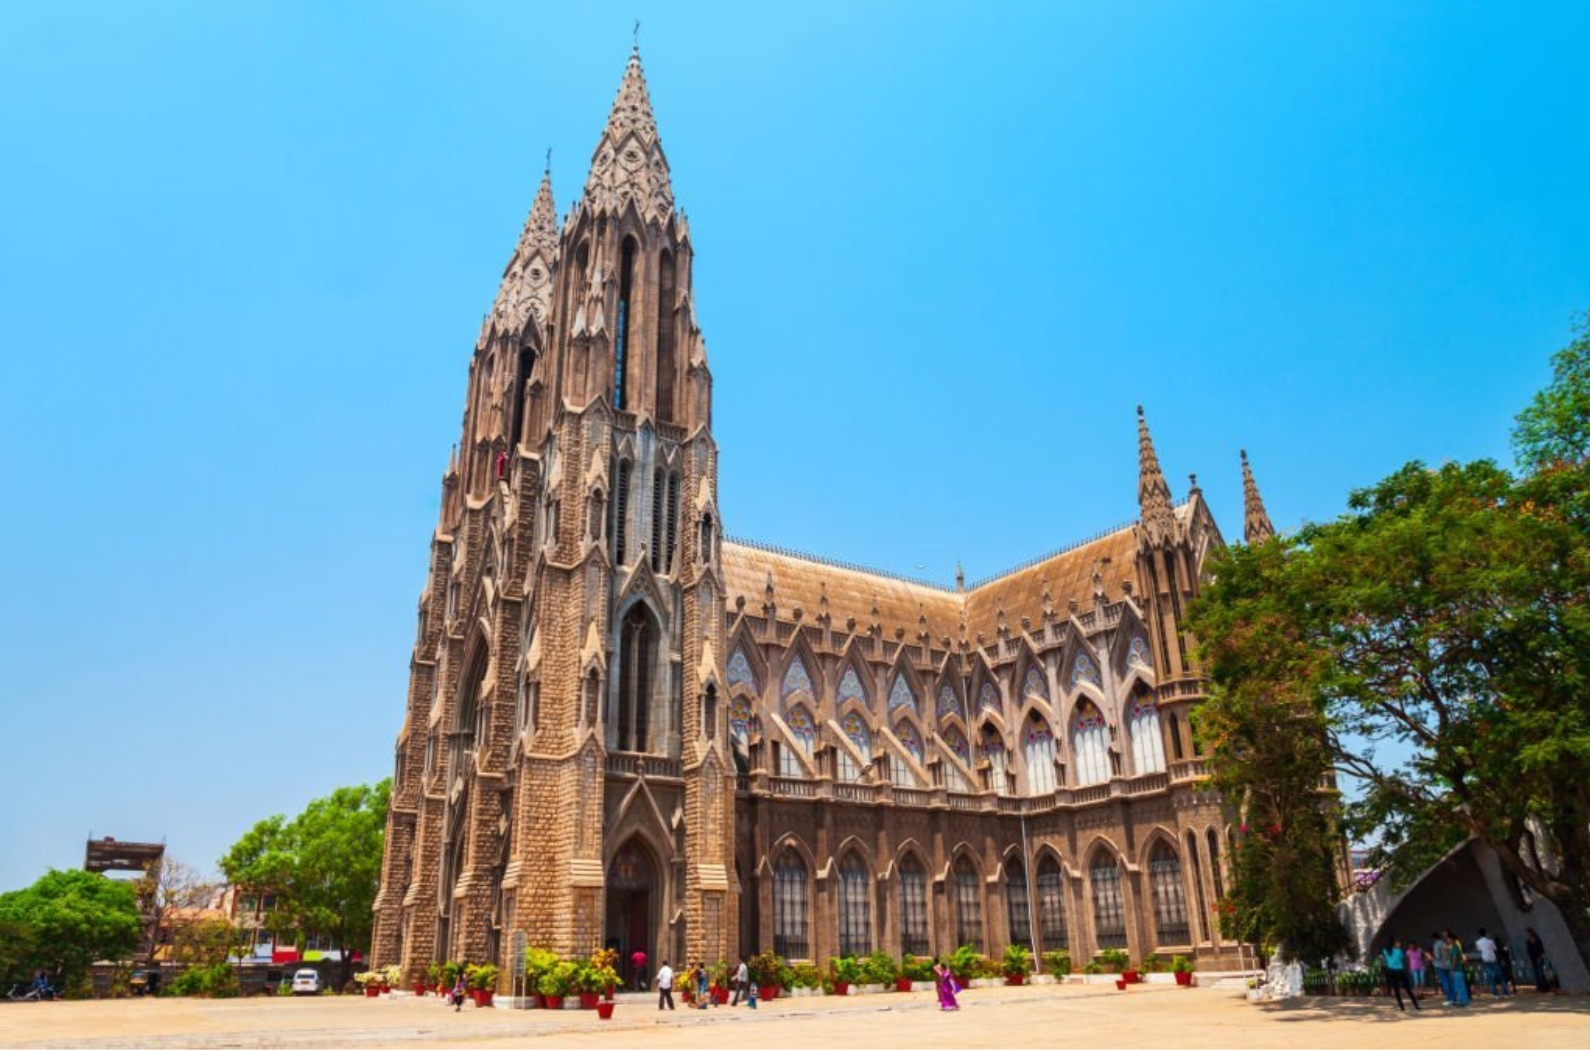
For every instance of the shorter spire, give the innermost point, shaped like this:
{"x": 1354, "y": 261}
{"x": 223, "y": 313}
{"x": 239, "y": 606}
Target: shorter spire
{"x": 526, "y": 289}
{"x": 1256, "y": 527}
{"x": 1155, "y": 512}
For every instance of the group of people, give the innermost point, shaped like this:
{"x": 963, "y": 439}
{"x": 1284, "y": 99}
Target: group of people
{"x": 1408, "y": 964}
{"x": 699, "y": 979}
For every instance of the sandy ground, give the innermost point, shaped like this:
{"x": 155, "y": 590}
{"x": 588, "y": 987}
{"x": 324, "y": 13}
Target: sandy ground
{"x": 1046, "y": 1016}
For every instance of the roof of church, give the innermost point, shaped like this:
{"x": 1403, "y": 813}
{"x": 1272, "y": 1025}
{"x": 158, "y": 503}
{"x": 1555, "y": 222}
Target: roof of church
{"x": 853, "y": 591}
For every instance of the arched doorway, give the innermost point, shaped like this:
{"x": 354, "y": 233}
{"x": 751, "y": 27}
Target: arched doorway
{"x": 633, "y": 901}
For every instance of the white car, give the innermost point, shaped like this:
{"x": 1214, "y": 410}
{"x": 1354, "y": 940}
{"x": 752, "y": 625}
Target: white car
{"x": 306, "y": 982}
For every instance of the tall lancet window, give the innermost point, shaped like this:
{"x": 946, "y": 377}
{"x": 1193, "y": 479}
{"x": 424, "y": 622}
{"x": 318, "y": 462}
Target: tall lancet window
{"x": 665, "y": 338}
{"x": 626, "y": 280}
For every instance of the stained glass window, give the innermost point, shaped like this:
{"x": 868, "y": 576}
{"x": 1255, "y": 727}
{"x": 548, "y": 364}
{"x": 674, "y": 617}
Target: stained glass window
{"x": 1083, "y": 670}
{"x": 994, "y": 752}
{"x": 955, "y": 743}
{"x": 740, "y": 672}
{"x": 800, "y": 725}
{"x": 907, "y": 734}
{"x": 1090, "y": 746}
{"x": 1034, "y": 684}
{"x": 948, "y": 705}
{"x": 850, "y": 687}
{"x": 856, "y": 730}
{"x": 1148, "y": 743}
{"x": 1137, "y": 654}
{"x": 1037, "y": 744}
{"x": 796, "y": 680}
{"x": 900, "y": 694}
{"x": 740, "y": 717}
{"x": 988, "y": 697}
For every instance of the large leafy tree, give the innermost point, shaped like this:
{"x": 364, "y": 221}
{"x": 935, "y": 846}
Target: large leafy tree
{"x": 323, "y": 866}
{"x": 1436, "y": 640}
{"x": 66, "y": 921}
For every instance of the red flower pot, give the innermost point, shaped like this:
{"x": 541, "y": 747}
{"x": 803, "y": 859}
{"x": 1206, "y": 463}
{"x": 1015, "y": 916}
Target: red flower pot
{"x": 541, "y": 1001}
{"x": 1184, "y": 979}
{"x": 841, "y": 987}
{"x": 1120, "y": 984}
{"x": 1015, "y": 978}
{"x": 768, "y": 992}
{"x": 554, "y": 1002}
{"x": 419, "y": 989}
{"x": 372, "y": 990}
{"x": 483, "y": 996}
{"x": 588, "y": 1000}
{"x": 604, "y": 1009}
{"x": 1132, "y": 977}
{"x": 902, "y": 984}
{"x": 720, "y": 995}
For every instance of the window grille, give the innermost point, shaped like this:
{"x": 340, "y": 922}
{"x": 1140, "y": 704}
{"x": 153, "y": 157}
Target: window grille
{"x": 1016, "y": 905}
{"x": 1109, "y": 911}
{"x": 1170, "y": 898}
{"x": 855, "y": 908}
{"x": 913, "y": 908}
{"x": 1051, "y": 906}
{"x": 968, "y": 906}
{"x": 789, "y": 907}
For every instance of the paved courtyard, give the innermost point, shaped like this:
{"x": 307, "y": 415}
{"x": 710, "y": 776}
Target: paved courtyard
{"x": 1087, "y": 1016}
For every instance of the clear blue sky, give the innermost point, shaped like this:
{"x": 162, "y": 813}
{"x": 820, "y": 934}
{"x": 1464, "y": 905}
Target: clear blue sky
{"x": 942, "y": 251}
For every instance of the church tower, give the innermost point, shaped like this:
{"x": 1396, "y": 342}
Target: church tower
{"x": 562, "y": 779}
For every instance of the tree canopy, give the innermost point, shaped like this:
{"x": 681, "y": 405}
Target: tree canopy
{"x": 66, "y": 921}
{"x": 1435, "y": 642}
{"x": 323, "y": 866}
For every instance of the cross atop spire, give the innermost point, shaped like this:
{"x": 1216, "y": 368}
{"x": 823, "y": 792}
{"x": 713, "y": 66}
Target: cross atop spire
{"x": 628, "y": 163}
{"x": 526, "y": 289}
{"x": 1256, "y": 527}
{"x": 1155, "y": 512}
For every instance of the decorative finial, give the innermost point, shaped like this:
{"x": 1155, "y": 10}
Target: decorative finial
{"x": 637, "y": 36}
{"x": 548, "y": 169}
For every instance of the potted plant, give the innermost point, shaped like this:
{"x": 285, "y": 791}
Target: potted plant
{"x": 482, "y": 981}
{"x": 556, "y": 983}
{"x": 1017, "y": 964}
{"x": 767, "y": 971}
{"x": 1057, "y": 963}
{"x": 596, "y": 978}
{"x": 721, "y": 973}
{"x": 965, "y": 964}
{"x": 1182, "y": 967}
{"x": 391, "y": 977}
{"x": 537, "y": 963}
{"x": 433, "y": 978}
{"x": 879, "y": 969}
{"x": 370, "y": 981}
{"x": 450, "y": 972}
{"x": 915, "y": 968}
{"x": 1114, "y": 960}
{"x": 846, "y": 971}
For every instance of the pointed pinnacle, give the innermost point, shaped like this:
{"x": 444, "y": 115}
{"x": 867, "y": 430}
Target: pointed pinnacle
{"x": 1155, "y": 512}
{"x": 1256, "y": 527}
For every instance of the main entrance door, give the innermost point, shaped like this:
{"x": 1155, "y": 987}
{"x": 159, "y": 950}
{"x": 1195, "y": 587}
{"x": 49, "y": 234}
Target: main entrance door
{"x": 631, "y": 904}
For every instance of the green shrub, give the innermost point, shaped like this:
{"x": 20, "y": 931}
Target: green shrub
{"x": 1114, "y": 960}
{"x": 207, "y": 982}
{"x": 846, "y": 970}
{"x": 766, "y": 967}
{"x": 1093, "y": 966}
{"x": 917, "y": 967}
{"x": 879, "y": 968}
{"x": 1017, "y": 961}
{"x": 1182, "y": 964}
{"x": 805, "y": 975}
{"x": 1153, "y": 963}
{"x": 1057, "y": 962}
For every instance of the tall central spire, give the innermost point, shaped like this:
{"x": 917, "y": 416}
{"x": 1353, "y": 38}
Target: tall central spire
{"x": 628, "y": 163}
{"x": 1256, "y": 527}
{"x": 1153, "y": 494}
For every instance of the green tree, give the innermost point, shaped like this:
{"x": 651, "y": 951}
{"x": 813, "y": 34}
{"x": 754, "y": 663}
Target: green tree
{"x": 324, "y": 866}
{"x": 71, "y": 919}
{"x": 1436, "y": 640}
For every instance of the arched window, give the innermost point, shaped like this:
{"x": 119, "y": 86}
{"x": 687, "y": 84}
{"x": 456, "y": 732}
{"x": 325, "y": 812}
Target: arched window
{"x": 1051, "y": 905}
{"x": 637, "y": 657}
{"x": 1016, "y": 907}
{"x": 1173, "y": 730}
{"x": 1148, "y": 743}
{"x": 1201, "y": 915}
{"x": 913, "y": 907}
{"x": 626, "y": 275}
{"x": 948, "y": 705}
{"x": 855, "y": 907}
{"x": 1109, "y": 908}
{"x": 994, "y": 751}
{"x": 954, "y": 742}
{"x": 1090, "y": 745}
{"x": 1034, "y": 684}
{"x": 740, "y": 671}
{"x": 1037, "y": 745}
{"x": 900, "y": 771}
{"x": 856, "y": 731}
{"x": 1170, "y": 899}
{"x": 709, "y": 711}
{"x": 988, "y": 697}
{"x": 621, "y": 514}
{"x": 968, "y": 905}
{"x": 740, "y": 718}
{"x": 900, "y": 694}
{"x": 796, "y": 680}
{"x": 665, "y": 337}
{"x": 1214, "y": 863}
{"x": 789, "y": 906}
{"x": 850, "y": 687}
{"x": 804, "y": 731}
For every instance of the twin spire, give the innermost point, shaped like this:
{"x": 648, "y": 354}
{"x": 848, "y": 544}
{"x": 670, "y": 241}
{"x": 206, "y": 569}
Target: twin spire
{"x": 628, "y": 165}
{"x": 1158, "y": 516}
{"x": 1256, "y": 527}
{"x": 526, "y": 290}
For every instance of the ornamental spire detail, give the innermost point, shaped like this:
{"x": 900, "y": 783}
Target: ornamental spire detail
{"x": 1256, "y": 527}
{"x": 628, "y": 165}
{"x": 526, "y": 290}
{"x": 1155, "y": 512}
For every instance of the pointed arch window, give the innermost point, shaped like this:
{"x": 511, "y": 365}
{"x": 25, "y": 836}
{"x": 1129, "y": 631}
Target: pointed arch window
{"x": 968, "y": 905}
{"x": 789, "y": 906}
{"x": 1109, "y": 908}
{"x": 901, "y": 772}
{"x": 1051, "y": 905}
{"x": 740, "y": 718}
{"x": 1084, "y": 670}
{"x": 1034, "y": 684}
{"x": 949, "y": 705}
{"x": 626, "y": 279}
{"x": 993, "y": 747}
{"x": 740, "y": 671}
{"x": 1170, "y": 898}
{"x": 855, "y": 907}
{"x": 1037, "y": 745}
{"x": 1214, "y": 863}
{"x": 637, "y": 658}
{"x": 1148, "y": 743}
{"x": 796, "y": 680}
{"x": 1090, "y": 745}
{"x": 988, "y": 697}
{"x": 855, "y": 731}
{"x": 621, "y": 514}
{"x": 1016, "y": 904}
{"x": 1137, "y": 654}
{"x": 850, "y": 687}
{"x": 665, "y": 337}
{"x": 913, "y": 907}
{"x": 900, "y": 694}
{"x": 955, "y": 743}
{"x": 804, "y": 732}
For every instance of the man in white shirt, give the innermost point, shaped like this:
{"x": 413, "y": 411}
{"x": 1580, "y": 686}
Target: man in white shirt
{"x": 665, "y": 985}
{"x": 742, "y": 978}
{"x": 1488, "y": 961}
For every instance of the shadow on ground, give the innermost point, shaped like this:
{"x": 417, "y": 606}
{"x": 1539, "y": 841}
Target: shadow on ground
{"x": 1358, "y": 1010}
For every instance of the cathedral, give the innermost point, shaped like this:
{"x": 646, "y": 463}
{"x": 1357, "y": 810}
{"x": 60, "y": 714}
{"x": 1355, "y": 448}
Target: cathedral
{"x": 625, "y": 729}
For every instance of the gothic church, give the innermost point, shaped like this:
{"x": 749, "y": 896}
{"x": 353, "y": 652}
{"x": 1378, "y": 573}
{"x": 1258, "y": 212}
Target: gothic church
{"x": 624, "y": 729}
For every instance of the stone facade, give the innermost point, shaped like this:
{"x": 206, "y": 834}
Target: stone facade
{"x": 622, "y": 729}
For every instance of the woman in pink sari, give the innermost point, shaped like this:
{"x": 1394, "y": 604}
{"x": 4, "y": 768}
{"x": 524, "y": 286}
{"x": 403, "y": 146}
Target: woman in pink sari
{"x": 947, "y": 986}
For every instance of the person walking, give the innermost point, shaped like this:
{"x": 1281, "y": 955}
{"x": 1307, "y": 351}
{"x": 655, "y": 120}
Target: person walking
{"x": 460, "y": 992}
{"x": 665, "y": 986}
{"x": 1441, "y": 959}
{"x": 1415, "y": 957}
{"x": 1535, "y": 948}
{"x": 742, "y": 977}
{"x": 1490, "y": 965}
{"x": 1458, "y": 961}
{"x": 1396, "y": 961}
{"x": 637, "y": 962}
